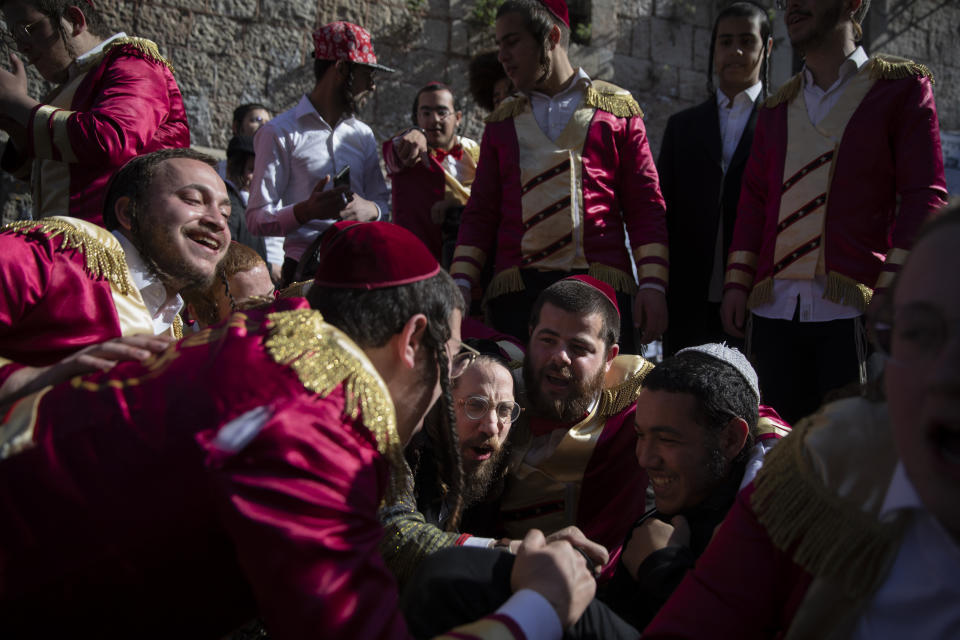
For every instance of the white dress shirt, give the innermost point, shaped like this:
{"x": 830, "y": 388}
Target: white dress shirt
{"x": 293, "y": 152}
{"x": 920, "y": 597}
{"x": 553, "y": 113}
{"x": 161, "y": 306}
{"x": 808, "y": 294}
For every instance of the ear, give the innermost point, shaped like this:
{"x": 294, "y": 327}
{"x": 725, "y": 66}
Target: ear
{"x": 611, "y": 354}
{"x": 410, "y": 339}
{"x": 459, "y": 117}
{"x": 733, "y": 437}
{"x": 78, "y": 21}
{"x": 122, "y": 210}
{"x": 343, "y": 68}
{"x": 769, "y": 48}
{"x": 554, "y": 36}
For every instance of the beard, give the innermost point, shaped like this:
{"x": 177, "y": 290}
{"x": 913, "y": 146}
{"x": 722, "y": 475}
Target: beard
{"x": 158, "y": 248}
{"x": 478, "y": 477}
{"x": 580, "y": 395}
{"x": 823, "y": 25}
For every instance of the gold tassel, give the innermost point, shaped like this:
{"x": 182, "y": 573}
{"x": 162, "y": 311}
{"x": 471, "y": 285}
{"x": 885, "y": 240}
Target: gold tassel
{"x": 612, "y": 99}
{"x": 508, "y": 109}
{"x": 618, "y": 398}
{"x": 826, "y": 536}
{"x": 102, "y": 261}
{"x": 786, "y": 93}
{"x": 147, "y": 49}
{"x": 762, "y": 293}
{"x": 885, "y": 67}
{"x": 844, "y": 290}
{"x": 324, "y": 358}
{"x": 616, "y": 278}
{"x": 507, "y": 281}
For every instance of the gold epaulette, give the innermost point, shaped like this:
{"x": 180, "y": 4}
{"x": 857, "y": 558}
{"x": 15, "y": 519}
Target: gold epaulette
{"x": 612, "y": 99}
{"x": 886, "y": 67}
{"x": 147, "y": 49}
{"x": 510, "y": 108}
{"x": 837, "y": 538}
{"x": 102, "y": 261}
{"x": 632, "y": 370}
{"x": 324, "y": 358}
{"x": 790, "y": 90}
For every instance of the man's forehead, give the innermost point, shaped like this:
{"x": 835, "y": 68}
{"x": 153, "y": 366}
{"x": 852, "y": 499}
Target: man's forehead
{"x": 557, "y": 320}
{"x": 184, "y": 171}
{"x": 436, "y": 96}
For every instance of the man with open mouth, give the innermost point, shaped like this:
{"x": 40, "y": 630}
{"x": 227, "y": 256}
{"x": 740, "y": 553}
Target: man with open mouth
{"x": 79, "y": 297}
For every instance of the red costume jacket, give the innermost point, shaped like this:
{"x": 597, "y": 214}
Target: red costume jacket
{"x": 122, "y": 103}
{"x": 615, "y": 184}
{"x": 890, "y": 150}
{"x": 64, "y": 285}
{"x": 155, "y": 498}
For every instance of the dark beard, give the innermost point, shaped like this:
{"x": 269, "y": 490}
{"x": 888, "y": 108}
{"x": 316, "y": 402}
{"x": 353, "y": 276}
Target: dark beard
{"x": 478, "y": 479}
{"x": 160, "y": 256}
{"x": 823, "y": 25}
{"x": 580, "y": 395}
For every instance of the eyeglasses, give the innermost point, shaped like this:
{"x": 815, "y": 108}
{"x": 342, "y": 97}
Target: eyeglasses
{"x": 920, "y": 330}
{"x": 478, "y": 408}
{"x": 19, "y": 32}
{"x": 460, "y": 362}
{"x": 442, "y": 113}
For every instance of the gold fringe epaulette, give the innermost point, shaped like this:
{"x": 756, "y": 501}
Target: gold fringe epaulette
{"x": 612, "y": 99}
{"x": 886, "y": 67}
{"x": 508, "y": 109}
{"x": 844, "y": 290}
{"x": 108, "y": 263}
{"x": 507, "y": 281}
{"x": 829, "y": 537}
{"x": 324, "y": 358}
{"x": 762, "y": 293}
{"x": 617, "y": 278}
{"x": 616, "y": 399}
{"x": 147, "y": 49}
{"x": 790, "y": 90}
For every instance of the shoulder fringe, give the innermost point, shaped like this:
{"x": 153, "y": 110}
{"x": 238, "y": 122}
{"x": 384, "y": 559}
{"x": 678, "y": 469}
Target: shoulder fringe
{"x": 790, "y": 90}
{"x": 845, "y": 290}
{"x": 762, "y": 293}
{"x": 886, "y": 67}
{"x": 617, "y": 278}
{"x": 146, "y": 48}
{"x": 507, "y": 281}
{"x": 618, "y": 398}
{"x": 323, "y": 358}
{"x": 824, "y": 535}
{"x": 612, "y": 99}
{"x": 508, "y": 109}
{"x": 102, "y": 261}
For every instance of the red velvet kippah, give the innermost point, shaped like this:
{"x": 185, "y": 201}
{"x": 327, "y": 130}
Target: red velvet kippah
{"x": 372, "y": 255}
{"x": 600, "y": 286}
{"x": 559, "y": 9}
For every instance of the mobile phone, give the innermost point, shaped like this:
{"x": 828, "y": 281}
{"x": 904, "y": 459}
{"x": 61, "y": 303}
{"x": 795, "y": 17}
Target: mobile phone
{"x": 342, "y": 179}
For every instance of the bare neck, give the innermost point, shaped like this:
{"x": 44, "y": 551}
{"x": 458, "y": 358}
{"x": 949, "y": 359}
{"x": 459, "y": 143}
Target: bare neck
{"x": 561, "y": 74}
{"x": 325, "y": 98}
{"x": 824, "y": 60}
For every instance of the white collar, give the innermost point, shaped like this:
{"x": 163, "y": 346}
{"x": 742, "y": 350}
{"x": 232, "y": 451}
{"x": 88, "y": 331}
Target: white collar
{"x": 750, "y": 93}
{"x": 847, "y": 68}
{"x": 900, "y": 494}
{"x": 305, "y": 108}
{"x": 155, "y": 295}
{"x": 83, "y": 58}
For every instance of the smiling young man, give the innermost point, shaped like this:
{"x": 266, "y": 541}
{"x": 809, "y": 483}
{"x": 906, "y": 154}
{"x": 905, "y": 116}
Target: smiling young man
{"x": 431, "y": 168}
{"x": 846, "y": 165}
{"x": 564, "y": 167}
{"x": 72, "y": 289}
{"x": 114, "y": 98}
{"x": 702, "y": 157}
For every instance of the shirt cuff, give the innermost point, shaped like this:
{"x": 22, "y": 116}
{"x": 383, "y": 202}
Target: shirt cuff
{"x": 463, "y": 282}
{"x": 288, "y": 221}
{"x": 533, "y": 614}
{"x": 652, "y": 285}
{"x": 474, "y": 541}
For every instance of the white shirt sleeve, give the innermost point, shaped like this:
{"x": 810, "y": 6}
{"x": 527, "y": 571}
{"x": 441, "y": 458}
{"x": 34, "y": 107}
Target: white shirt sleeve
{"x": 265, "y": 215}
{"x": 374, "y": 186}
{"x": 533, "y": 614}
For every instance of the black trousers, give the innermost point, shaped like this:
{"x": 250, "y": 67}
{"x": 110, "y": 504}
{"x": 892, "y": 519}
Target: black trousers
{"x": 800, "y": 363}
{"x": 698, "y": 323}
{"x": 458, "y": 585}
{"x": 510, "y": 313}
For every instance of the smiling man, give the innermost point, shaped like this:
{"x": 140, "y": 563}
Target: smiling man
{"x": 431, "y": 167}
{"x": 72, "y": 289}
{"x": 114, "y": 98}
{"x": 564, "y": 168}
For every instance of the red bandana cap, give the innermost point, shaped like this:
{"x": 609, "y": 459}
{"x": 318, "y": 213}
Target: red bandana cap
{"x": 600, "y": 286}
{"x": 372, "y": 255}
{"x": 346, "y": 41}
{"x": 559, "y": 10}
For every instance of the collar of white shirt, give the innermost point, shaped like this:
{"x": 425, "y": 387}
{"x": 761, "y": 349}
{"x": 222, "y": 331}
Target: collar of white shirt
{"x": 161, "y": 306}
{"x": 82, "y": 59}
{"x": 847, "y": 68}
{"x": 305, "y": 109}
{"x": 579, "y": 83}
{"x": 900, "y": 493}
{"x": 749, "y": 96}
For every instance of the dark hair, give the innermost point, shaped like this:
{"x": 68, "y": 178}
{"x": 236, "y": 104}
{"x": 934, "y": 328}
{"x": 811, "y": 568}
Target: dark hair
{"x": 320, "y": 68}
{"x": 241, "y": 112}
{"x": 575, "y": 297}
{"x": 484, "y": 72}
{"x": 538, "y": 21}
{"x": 858, "y": 17}
{"x": 134, "y": 179}
{"x": 238, "y": 150}
{"x": 744, "y": 10}
{"x": 57, "y": 10}
{"x": 238, "y": 258}
{"x": 721, "y": 392}
{"x": 433, "y": 86}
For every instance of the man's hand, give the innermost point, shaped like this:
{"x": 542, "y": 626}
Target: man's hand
{"x": 321, "y": 205}
{"x": 15, "y": 104}
{"x": 557, "y": 572}
{"x": 733, "y": 311}
{"x": 359, "y": 209}
{"x": 596, "y": 552}
{"x": 410, "y": 148}
{"x": 650, "y": 314}
{"x": 653, "y": 535}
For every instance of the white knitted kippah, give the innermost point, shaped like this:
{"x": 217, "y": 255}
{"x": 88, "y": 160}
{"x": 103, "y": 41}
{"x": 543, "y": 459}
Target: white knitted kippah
{"x": 734, "y": 358}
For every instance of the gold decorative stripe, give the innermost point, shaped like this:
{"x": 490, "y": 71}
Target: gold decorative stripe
{"x": 465, "y": 269}
{"x": 738, "y": 276}
{"x": 616, "y": 399}
{"x": 612, "y": 99}
{"x": 652, "y": 250}
{"x": 767, "y": 426}
{"x": 657, "y": 271}
{"x": 897, "y": 256}
{"x": 324, "y": 358}
{"x": 748, "y": 258}
{"x": 42, "y": 144}
{"x": 474, "y": 253}
{"x": 61, "y": 135}
{"x": 508, "y": 109}
{"x": 104, "y": 256}
{"x": 885, "y": 279}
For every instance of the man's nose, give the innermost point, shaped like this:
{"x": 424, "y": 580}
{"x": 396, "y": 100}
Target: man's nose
{"x": 490, "y": 424}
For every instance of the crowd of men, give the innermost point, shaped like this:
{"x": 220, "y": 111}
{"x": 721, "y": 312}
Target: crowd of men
{"x": 423, "y": 410}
